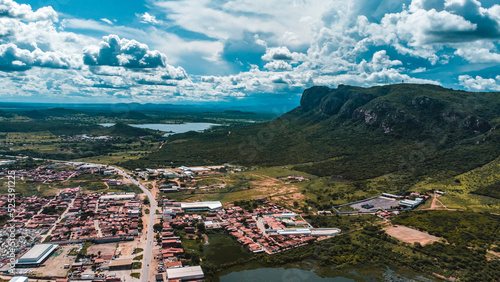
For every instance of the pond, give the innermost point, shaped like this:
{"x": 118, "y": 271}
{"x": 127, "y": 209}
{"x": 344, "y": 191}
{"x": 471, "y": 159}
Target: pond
{"x": 310, "y": 271}
{"x": 279, "y": 274}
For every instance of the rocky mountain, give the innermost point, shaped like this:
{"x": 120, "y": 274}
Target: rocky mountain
{"x": 357, "y": 133}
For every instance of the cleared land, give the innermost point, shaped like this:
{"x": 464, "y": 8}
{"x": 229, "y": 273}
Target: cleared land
{"x": 54, "y": 265}
{"x": 108, "y": 248}
{"x": 410, "y": 235}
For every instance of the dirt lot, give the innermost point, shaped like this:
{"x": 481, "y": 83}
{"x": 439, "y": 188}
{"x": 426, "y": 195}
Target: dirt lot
{"x": 127, "y": 248}
{"x": 54, "y": 265}
{"x": 108, "y": 248}
{"x": 410, "y": 235}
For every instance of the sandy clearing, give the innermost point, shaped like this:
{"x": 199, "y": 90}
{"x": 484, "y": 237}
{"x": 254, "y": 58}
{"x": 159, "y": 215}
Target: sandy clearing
{"x": 54, "y": 265}
{"x": 108, "y": 248}
{"x": 494, "y": 255}
{"x": 410, "y": 235}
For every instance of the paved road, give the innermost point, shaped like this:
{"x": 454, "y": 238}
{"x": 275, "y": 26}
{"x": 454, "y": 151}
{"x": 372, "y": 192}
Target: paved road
{"x": 149, "y": 242}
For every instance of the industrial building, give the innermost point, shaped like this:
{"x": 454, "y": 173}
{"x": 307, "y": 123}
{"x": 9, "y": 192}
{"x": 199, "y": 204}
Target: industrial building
{"x": 202, "y": 206}
{"x": 36, "y": 255}
{"x": 325, "y": 232}
{"x": 19, "y": 279}
{"x": 297, "y": 231}
{"x": 185, "y": 273}
{"x": 118, "y": 264}
{"x": 391, "y": 196}
{"x": 118, "y": 197}
{"x": 411, "y": 203}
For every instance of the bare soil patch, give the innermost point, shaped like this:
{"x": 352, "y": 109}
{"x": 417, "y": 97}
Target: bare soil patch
{"x": 54, "y": 265}
{"x": 410, "y": 235}
{"x": 108, "y": 248}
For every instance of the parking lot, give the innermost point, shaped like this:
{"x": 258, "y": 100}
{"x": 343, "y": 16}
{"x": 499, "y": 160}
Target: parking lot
{"x": 376, "y": 203}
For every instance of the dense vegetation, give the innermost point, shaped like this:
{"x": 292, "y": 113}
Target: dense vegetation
{"x": 459, "y": 228}
{"x": 492, "y": 190}
{"x": 373, "y": 245}
{"x": 357, "y": 133}
{"x": 72, "y": 127}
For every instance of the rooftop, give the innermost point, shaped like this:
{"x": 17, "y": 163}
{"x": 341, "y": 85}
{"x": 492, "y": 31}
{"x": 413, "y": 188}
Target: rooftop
{"x": 37, "y": 254}
{"x": 19, "y": 279}
{"x": 202, "y": 205}
{"x": 188, "y": 272}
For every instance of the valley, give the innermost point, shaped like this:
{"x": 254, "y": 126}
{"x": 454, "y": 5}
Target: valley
{"x": 340, "y": 146}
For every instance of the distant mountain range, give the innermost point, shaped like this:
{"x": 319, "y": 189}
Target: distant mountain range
{"x": 357, "y": 133}
{"x": 152, "y": 108}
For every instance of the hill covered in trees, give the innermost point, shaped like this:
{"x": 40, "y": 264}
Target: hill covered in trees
{"x": 357, "y": 133}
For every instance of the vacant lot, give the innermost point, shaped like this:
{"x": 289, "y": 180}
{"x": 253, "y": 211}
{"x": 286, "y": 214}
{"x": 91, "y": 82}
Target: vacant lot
{"x": 108, "y": 248}
{"x": 410, "y": 235}
{"x": 54, "y": 265}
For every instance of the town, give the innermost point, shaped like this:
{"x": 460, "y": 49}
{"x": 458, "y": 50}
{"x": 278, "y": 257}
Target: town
{"x": 102, "y": 236}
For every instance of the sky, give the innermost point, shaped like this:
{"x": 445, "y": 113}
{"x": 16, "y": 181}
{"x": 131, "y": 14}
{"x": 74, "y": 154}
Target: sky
{"x": 240, "y": 51}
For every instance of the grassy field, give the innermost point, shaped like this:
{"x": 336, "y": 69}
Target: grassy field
{"x": 125, "y": 152}
{"x": 460, "y": 189}
{"x": 30, "y": 137}
{"x": 28, "y": 189}
{"x": 253, "y": 184}
{"x": 90, "y": 184}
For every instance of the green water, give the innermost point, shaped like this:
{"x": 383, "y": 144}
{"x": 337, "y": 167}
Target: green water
{"x": 279, "y": 274}
{"x": 222, "y": 248}
{"x": 310, "y": 272}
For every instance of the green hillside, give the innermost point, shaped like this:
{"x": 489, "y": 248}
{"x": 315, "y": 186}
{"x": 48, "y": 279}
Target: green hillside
{"x": 358, "y": 133}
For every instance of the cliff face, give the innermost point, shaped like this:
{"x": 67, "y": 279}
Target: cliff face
{"x": 343, "y": 100}
{"x": 392, "y": 108}
{"x": 359, "y": 133}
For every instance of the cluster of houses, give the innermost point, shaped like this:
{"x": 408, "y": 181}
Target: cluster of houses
{"x": 176, "y": 216}
{"x": 100, "y": 217}
{"x": 44, "y": 173}
{"x": 48, "y": 173}
{"x": 270, "y": 228}
{"x": 29, "y": 222}
{"x": 185, "y": 171}
{"x": 85, "y": 137}
{"x": 33, "y": 212}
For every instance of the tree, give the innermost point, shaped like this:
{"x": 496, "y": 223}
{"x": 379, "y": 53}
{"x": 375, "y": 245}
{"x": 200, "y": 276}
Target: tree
{"x": 201, "y": 227}
{"x": 158, "y": 227}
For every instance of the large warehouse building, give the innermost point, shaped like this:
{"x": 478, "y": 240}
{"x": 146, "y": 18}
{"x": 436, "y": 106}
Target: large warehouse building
{"x": 118, "y": 197}
{"x": 36, "y": 255}
{"x": 19, "y": 279}
{"x": 202, "y": 206}
{"x": 186, "y": 273}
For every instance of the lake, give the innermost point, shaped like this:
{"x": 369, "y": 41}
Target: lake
{"x": 278, "y": 275}
{"x": 310, "y": 271}
{"x": 173, "y": 128}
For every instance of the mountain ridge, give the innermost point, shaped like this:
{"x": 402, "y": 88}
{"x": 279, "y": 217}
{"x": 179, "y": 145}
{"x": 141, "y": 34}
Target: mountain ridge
{"x": 357, "y": 133}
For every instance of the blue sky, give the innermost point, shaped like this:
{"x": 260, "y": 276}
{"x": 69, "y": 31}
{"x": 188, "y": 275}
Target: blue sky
{"x": 240, "y": 51}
